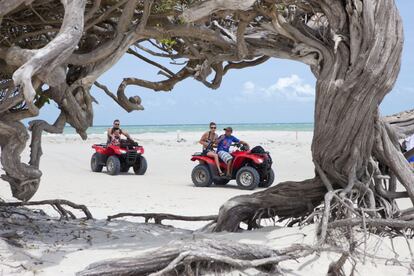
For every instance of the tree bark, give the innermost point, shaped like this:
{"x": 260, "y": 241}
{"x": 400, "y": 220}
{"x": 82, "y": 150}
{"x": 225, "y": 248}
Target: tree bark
{"x": 353, "y": 79}
{"x": 197, "y": 257}
{"x": 285, "y": 200}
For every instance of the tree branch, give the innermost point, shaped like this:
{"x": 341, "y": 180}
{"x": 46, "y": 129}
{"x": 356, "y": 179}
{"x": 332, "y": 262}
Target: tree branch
{"x": 131, "y": 104}
{"x": 159, "y": 217}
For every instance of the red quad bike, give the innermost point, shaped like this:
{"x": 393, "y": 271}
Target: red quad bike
{"x": 119, "y": 158}
{"x": 251, "y": 169}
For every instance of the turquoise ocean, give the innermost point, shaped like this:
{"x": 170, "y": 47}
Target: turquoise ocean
{"x": 138, "y": 129}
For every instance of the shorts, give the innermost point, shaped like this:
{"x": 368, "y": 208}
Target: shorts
{"x": 411, "y": 160}
{"x": 205, "y": 151}
{"x": 225, "y": 156}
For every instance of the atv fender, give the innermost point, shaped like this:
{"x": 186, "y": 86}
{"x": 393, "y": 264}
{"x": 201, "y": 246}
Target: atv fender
{"x": 203, "y": 159}
{"x": 100, "y": 150}
{"x": 241, "y": 160}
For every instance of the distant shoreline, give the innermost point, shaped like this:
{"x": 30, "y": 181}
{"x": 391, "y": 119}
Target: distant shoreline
{"x": 204, "y": 124}
{"x": 139, "y": 129}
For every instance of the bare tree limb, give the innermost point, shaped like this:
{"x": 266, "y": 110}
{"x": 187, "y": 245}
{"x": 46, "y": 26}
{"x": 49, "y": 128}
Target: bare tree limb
{"x": 159, "y": 217}
{"x": 54, "y": 202}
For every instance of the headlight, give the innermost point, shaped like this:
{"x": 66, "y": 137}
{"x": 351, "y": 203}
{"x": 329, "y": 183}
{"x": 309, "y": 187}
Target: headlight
{"x": 122, "y": 151}
{"x": 260, "y": 160}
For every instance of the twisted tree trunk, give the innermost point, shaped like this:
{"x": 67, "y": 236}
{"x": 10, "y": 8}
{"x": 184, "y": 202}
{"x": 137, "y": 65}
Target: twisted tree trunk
{"x": 349, "y": 134}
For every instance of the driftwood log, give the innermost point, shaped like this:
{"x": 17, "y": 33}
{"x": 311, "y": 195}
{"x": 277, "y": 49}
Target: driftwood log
{"x": 197, "y": 256}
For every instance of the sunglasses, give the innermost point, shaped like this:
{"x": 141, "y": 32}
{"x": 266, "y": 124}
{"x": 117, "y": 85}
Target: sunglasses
{"x": 116, "y": 124}
{"x": 213, "y": 127}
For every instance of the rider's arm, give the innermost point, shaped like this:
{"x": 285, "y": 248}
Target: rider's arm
{"x": 203, "y": 140}
{"x": 220, "y": 138}
{"x": 108, "y": 132}
{"x": 244, "y": 143}
{"x": 126, "y": 134}
{"x": 236, "y": 140}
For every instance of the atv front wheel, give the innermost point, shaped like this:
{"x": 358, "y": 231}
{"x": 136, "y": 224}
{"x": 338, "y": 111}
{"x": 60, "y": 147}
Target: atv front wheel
{"x": 96, "y": 165}
{"x": 113, "y": 165}
{"x": 201, "y": 176}
{"x": 140, "y": 166}
{"x": 268, "y": 181}
{"x": 248, "y": 178}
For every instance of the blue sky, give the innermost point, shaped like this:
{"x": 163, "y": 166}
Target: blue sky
{"x": 279, "y": 91}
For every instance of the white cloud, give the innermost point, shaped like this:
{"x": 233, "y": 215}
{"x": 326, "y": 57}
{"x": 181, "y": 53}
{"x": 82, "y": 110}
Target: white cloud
{"x": 291, "y": 88}
{"x": 248, "y": 87}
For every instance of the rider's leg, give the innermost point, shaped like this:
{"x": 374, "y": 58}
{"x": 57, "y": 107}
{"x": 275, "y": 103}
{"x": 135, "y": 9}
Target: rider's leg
{"x": 216, "y": 159}
{"x": 218, "y": 164}
{"x": 229, "y": 168}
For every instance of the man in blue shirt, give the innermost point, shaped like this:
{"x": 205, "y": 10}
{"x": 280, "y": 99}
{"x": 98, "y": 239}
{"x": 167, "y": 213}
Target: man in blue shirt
{"x": 223, "y": 147}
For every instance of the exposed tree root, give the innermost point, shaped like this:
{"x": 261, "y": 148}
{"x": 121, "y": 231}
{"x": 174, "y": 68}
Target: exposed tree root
{"x": 56, "y": 204}
{"x": 159, "y": 217}
{"x": 192, "y": 257}
{"x": 335, "y": 268}
{"x": 373, "y": 222}
{"x": 280, "y": 200}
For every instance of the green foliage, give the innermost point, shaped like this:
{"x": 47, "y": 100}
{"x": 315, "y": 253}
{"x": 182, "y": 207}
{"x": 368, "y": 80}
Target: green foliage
{"x": 168, "y": 43}
{"x": 180, "y": 21}
{"x": 165, "y": 6}
{"x": 280, "y": 7}
{"x": 41, "y": 99}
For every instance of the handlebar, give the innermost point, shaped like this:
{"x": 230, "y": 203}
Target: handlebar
{"x": 241, "y": 146}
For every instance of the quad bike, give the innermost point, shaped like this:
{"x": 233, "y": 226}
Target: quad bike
{"x": 250, "y": 168}
{"x": 119, "y": 158}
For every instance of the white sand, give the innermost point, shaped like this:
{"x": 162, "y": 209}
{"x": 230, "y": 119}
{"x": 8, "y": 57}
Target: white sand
{"x": 166, "y": 187}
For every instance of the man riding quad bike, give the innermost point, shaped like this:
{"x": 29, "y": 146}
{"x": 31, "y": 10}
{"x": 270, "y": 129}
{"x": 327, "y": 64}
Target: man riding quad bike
{"x": 250, "y": 168}
{"x": 119, "y": 157}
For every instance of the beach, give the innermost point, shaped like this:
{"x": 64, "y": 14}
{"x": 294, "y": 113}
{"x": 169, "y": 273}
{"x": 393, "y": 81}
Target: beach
{"x": 166, "y": 187}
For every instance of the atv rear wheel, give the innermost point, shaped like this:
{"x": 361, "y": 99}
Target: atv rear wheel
{"x": 96, "y": 165}
{"x": 113, "y": 165}
{"x": 221, "y": 182}
{"x": 140, "y": 166}
{"x": 248, "y": 178}
{"x": 201, "y": 176}
{"x": 268, "y": 181}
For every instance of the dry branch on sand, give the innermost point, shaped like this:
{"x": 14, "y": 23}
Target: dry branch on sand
{"x": 159, "y": 217}
{"x": 56, "y": 204}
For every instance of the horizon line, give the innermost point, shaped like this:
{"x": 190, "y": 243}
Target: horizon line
{"x": 194, "y": 124}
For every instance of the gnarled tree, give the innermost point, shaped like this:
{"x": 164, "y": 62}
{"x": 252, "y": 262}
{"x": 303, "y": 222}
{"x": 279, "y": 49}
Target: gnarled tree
{"x": 56, "y": 50}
